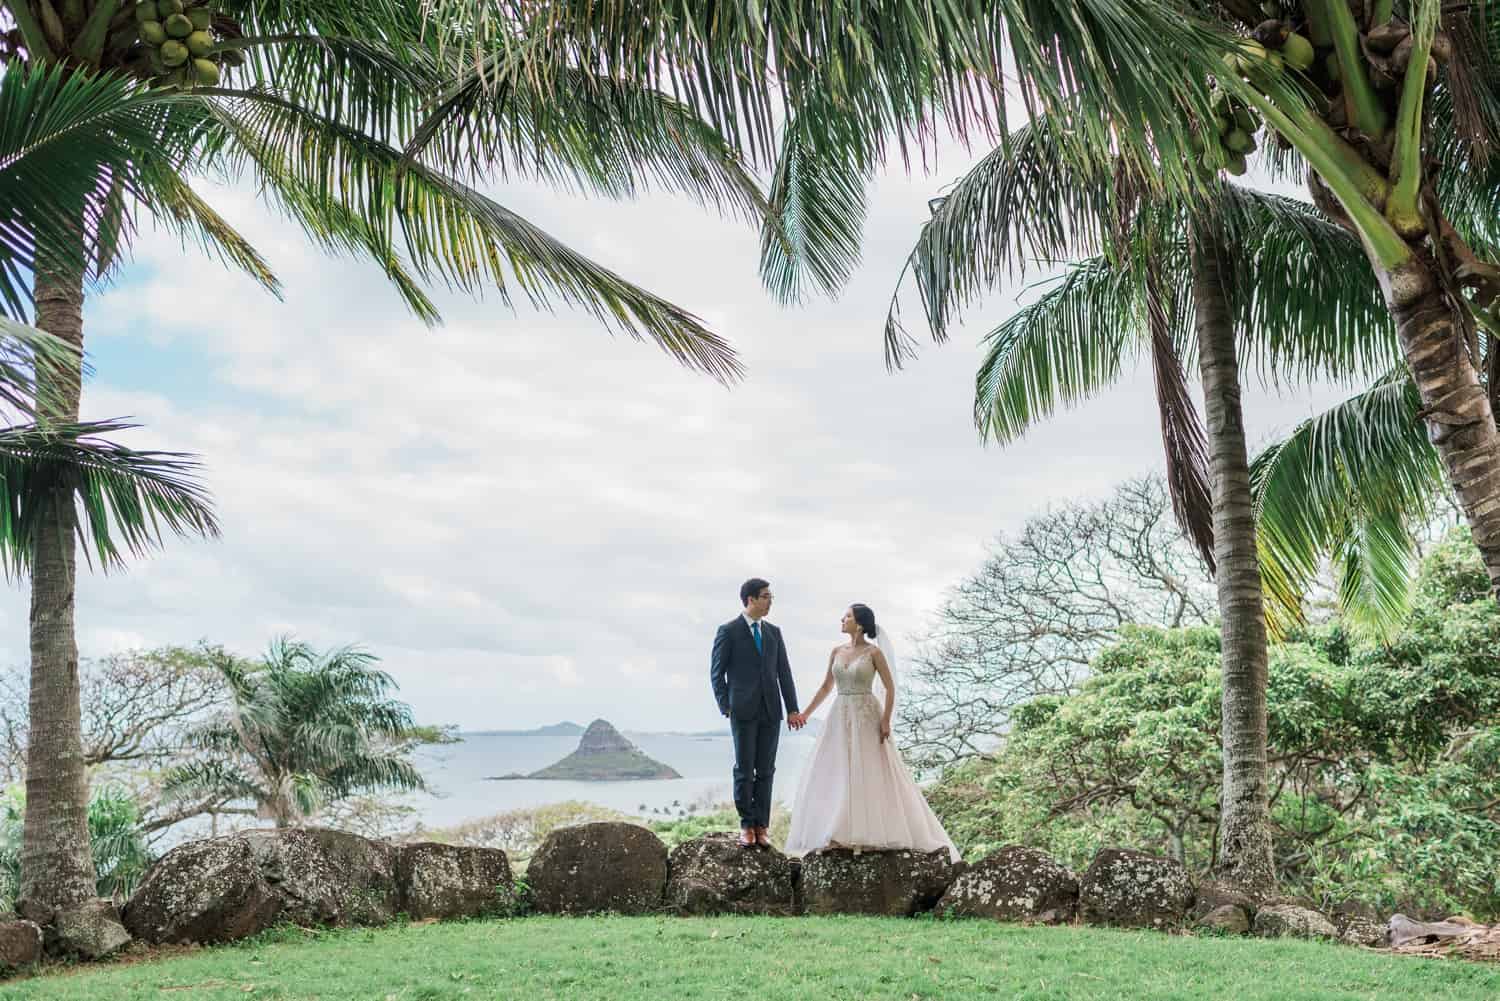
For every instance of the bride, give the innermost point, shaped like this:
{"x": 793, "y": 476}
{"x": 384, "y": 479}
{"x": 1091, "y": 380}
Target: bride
{"x": 856, "y": 792}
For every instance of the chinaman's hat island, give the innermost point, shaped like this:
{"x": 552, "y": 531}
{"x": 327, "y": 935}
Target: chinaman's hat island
{"x": 603, "y": 755}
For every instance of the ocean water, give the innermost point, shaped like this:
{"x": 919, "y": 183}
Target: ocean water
{"x": 458, "y": 772}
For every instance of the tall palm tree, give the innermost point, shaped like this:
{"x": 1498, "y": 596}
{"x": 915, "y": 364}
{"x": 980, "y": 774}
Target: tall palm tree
{"x": 1176, "y": 277}
{"x": 110, "y": 108}
{"x": 302, "y": 730}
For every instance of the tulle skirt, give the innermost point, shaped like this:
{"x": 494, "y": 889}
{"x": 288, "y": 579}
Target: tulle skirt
{"x": 856, "y": 792}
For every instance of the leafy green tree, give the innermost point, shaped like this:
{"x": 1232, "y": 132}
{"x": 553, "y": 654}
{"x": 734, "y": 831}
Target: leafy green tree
{"x": 302, "y": 731}
{"x": 1381, "y": 754}
{"x": 120, "y": 854}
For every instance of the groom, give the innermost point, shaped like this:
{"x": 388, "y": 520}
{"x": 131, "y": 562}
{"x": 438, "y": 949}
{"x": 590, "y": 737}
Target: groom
{"x": 751, "y": 679}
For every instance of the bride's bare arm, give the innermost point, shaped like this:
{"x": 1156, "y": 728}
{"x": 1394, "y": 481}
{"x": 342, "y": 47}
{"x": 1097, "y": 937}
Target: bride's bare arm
{"x": 823, "y": 690}
{"x": 884, "y": 670}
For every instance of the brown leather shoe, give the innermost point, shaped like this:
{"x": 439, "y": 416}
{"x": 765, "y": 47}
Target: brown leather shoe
{"x": 763, "y": 837}
{"x": 747, "y": 837}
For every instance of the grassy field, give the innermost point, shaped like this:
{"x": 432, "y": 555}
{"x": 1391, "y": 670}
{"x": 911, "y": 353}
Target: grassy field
{"x": 760, "y": 959}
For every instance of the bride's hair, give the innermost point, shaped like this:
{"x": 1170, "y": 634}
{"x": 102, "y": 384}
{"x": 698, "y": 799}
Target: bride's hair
{"x": 865, "y": 619}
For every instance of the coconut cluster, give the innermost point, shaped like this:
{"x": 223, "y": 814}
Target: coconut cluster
{"x": 1274, "y": 47}
{"x": 1233, "y": 135}
{"x": 180, "y": 43}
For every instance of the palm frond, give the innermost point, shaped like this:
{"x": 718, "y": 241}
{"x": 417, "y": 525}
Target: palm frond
{"x": 178, "y": 207}
{"x": 817, "y": 212}
{"x": 1058, "y": 351}
{"x": 445, "y": 229}
{"x": 1030, "y": 200}
{"x": 22, "y": 349}
{"x": 71, "y": 144}
{"x": 1306, "y": 302}
{"x": 1345, "y": 485}
{"x": 573, "y": 130}
{"x": 1183, "y": 435}
{"x": 128, "y": 497}
{"x": 886, "y": 66}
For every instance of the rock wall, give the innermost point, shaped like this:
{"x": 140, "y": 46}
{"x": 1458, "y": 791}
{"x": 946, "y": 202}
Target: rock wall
{"x": 227, "y": 888}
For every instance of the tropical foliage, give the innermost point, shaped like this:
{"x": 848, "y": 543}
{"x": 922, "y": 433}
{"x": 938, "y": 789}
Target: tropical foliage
{"x": 1383, "y": 756}
{"x": 303, "y": 730}
{"x": 119, "y": 844}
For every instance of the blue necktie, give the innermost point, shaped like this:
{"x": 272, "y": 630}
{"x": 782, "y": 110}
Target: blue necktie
{"x": 755, "y": 629}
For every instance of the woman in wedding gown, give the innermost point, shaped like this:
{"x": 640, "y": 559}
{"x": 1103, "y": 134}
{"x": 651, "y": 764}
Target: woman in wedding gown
{"x": 856, "y": 792}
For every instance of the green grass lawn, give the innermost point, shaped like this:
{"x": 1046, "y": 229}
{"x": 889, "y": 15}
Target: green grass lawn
{"x": 760, "y": 959}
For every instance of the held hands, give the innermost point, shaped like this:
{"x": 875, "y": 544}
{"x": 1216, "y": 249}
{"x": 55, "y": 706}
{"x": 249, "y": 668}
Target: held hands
{"x": 796, "y": 721}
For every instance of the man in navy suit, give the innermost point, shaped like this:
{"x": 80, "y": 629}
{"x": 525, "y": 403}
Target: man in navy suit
{"x": 752, "y": 678}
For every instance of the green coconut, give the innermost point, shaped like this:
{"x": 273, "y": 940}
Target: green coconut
{"x": 1331, "y": 64}
{"x": 1236, "y": 164}
{"x": 166, "y": 8}
{"x": 1236, "y": 141}
{"x": 1221, "y": 124}
{"x": 207, "y": 71}
{"x": 145, "y": 11}
{"x": 174, "y": 53}
{"x": 199, "y": 43}
{"x": 178, "y": 26}
{"x": 201, "y": 17}
{"x": 1298, "y": 52}
{"x": 232, "y": 57}
{"x": 152, "y": 33}
{"x": 1245, "y": 119}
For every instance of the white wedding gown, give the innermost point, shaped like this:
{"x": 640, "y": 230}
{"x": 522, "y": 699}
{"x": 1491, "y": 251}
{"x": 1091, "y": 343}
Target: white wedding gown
{"x": 856, "y": 792}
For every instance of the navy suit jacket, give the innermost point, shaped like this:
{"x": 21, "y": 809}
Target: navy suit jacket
{"x": 747, "y": 683}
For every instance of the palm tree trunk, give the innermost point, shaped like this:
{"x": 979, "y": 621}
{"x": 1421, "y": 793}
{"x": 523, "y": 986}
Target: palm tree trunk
{"x": 1460, "y": 421}
{"x": 57, "y": 867}
{"x": 1245, "y": 855}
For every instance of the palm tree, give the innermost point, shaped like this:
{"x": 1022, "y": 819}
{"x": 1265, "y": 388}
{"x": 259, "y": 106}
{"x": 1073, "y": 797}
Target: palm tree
{"x": 109, "y": 108}
{"x": 1174, "y": 277}
{"x": 303, "y": 730}
{"x": 48, "y": 472}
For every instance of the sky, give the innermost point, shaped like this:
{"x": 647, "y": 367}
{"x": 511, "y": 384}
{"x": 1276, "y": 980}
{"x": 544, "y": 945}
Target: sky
{"x": 529, "y": 520}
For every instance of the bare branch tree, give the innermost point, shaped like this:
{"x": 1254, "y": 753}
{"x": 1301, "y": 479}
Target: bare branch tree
{"x": 1043, "y": 603}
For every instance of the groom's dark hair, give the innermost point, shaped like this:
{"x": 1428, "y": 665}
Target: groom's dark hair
{"x": 752, "y": 588}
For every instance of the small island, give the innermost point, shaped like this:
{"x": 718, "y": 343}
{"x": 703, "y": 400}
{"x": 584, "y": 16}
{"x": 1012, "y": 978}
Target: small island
{"x": 603, "y": 755}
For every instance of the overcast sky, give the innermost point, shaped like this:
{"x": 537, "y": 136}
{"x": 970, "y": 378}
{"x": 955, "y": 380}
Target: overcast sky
{"x": 530, "y": 521}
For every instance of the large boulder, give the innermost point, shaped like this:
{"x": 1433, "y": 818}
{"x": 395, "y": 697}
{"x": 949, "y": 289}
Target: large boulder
{"x": 454, "y": 881}
{"x": 327, "y": 877}
{"x": 1136, "y": 890}
{"x": 896, "y": 883}
{"x": 1221, "y": 908}
{"x": 203, "y": 891}
{"x": 91, "y": 930}
{"x": 714, "y": 875}
{"x": 20, "y": 944}
{"x": 1292, "y": 921}
{"x": 1014, "y": 884}
{"x": 606, "y": 866}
